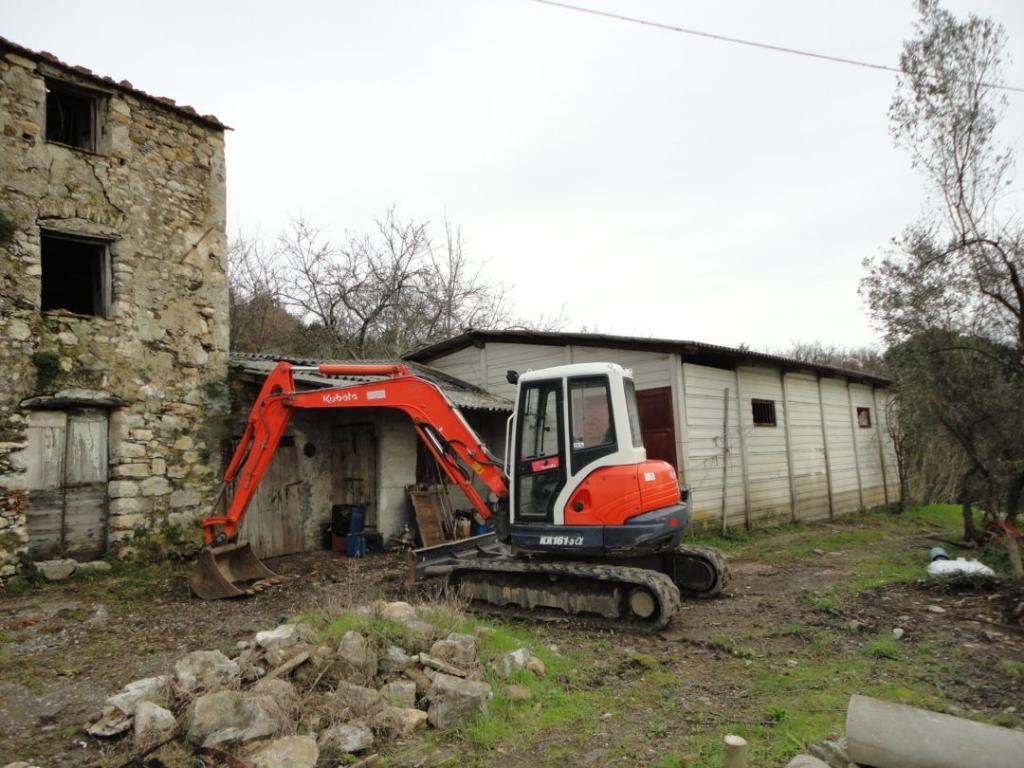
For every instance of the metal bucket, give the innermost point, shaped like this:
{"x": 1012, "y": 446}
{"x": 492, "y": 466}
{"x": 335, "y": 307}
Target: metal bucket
{"x": 231, "y": 570}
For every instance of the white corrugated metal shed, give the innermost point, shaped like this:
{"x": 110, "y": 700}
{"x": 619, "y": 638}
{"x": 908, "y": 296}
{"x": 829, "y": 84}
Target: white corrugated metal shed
{"x": 823, "y": 450}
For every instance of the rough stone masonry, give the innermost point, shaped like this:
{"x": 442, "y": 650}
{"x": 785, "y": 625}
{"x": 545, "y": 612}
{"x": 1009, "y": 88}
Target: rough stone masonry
{"x": 137, "y": 184}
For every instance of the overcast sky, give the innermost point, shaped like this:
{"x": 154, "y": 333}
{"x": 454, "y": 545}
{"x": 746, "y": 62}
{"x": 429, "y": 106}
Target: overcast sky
{"x": 650, "y": 182}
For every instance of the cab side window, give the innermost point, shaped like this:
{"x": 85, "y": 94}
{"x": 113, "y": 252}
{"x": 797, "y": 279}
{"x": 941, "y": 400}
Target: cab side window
{"x": 592, "y": 433}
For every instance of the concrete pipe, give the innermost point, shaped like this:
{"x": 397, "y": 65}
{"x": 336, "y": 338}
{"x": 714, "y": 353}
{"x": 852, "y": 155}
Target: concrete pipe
{"x": 888, "y": 735}
{"x": 735, "y": 752}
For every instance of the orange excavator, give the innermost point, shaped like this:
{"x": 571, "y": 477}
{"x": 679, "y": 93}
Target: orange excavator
{"x": 584, "y": 525}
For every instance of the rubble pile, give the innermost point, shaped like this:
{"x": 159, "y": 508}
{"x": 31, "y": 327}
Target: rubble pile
{"x": 284, "y": 698}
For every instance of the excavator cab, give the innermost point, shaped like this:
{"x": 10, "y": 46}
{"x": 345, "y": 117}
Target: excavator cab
{"x": 579, "y": 479}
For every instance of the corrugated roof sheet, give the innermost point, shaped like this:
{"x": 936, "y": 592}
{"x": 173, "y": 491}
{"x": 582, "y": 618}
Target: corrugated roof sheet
{"x": 691, "y": 351}
{"x": 463, "y": 394}
{"x": 109, "y": 82}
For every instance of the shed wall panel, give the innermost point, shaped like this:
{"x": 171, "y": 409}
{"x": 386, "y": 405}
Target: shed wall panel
{"x": 650, "y": 369}
{"x": 518, "y": 357}
{"x": 704, "y": 390}
{"x": 840, "y": 445}
{"x": 768, "y": 466}
{"x": 463, "y": 364}
{"x": 868, "y": 447}
{"x": 809, "y": 468}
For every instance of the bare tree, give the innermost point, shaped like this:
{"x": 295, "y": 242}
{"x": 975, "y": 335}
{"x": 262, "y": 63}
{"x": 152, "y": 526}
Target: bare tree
{"x": 376, "y": 294}
{"x": 259, "y": 320}
{"x": 866, "y": 359}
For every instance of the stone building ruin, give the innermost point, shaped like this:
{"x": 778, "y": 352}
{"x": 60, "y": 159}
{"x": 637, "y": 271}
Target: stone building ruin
{"x": 113, "y": 309}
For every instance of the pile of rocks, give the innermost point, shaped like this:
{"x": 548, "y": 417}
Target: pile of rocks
{"x": 283, "y": 699}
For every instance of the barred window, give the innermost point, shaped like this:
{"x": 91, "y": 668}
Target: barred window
{"x": 764, "y": 413}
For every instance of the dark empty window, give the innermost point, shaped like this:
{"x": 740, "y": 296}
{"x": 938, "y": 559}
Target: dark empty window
{"x": 764, "y": 412}
{"x": 76, "y": 275}
{"x": 70, "y": 115}
{"x": 864, "y": 418}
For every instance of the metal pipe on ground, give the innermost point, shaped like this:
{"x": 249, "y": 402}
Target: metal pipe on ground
{"x": 887, "y": 735}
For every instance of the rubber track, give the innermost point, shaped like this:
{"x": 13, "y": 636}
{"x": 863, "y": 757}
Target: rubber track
{"x": 717, "y": 561}
{"x": 665, "y": 592}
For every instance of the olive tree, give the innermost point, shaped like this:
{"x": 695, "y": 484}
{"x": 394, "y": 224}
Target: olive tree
{"x": 949, "y": 292}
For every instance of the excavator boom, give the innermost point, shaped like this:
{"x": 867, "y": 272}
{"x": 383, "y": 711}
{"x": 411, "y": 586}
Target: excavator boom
{"x": 230, "y": 569}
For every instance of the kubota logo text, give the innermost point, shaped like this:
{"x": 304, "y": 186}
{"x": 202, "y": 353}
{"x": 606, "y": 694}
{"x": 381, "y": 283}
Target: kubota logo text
{"x": 340, "y": 397}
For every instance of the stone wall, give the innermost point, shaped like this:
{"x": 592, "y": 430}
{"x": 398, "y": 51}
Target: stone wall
{"x": 156, "y": 189}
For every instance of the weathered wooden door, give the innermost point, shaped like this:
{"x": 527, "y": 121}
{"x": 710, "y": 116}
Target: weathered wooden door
{"x": 67, "y": 471}
{"x": 274, "y": 522}
{"x": 657, "y": 423}
{"x": 354, "y": 467}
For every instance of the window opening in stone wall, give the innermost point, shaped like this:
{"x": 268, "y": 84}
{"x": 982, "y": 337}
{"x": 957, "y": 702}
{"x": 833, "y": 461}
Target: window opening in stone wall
{"x": 76, "y": 275}
{"x": 764, "y": 412}
{"x": 864, "y": 418}
{"x": 70, "y": 115}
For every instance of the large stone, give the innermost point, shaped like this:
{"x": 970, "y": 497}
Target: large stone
{"x": 288, "y": 752}
{"x": 400, "y": 693}
{"x": 512, "y": 662}
{"x": 399, "y": 721}
{"x": 419, "y": 635}
{"x": 456, "y": 649}
{"x": 283, "y": 636}
{"x": 18, "y": 330}
{"x": 56, "y": 570}
{"x": 225, "y": 717}
{"x": 536, "y": 667}
{"x": 153, "y": 724}
{"x": 155, "y": 486}
{"x": 398, "y": 611}
{"x": 394, "y": 660}
{"x": 148, "y": 689}
{"x": 806, "y": 761}
{"x": 123, "y": 489}
{"x": 454, "y": 700}
{"x": 346, "y": 737}
{"x": 204, "y": 670}
{"x": 359, "y": 701}
{"x": 420, "y": 679}
{"x": 357, "y": 661}
{"x": 94, "y": 566}
{"x": 280, "y": 691}
{"x": 112, "y": 723}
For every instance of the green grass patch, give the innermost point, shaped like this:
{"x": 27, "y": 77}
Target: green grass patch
{"x": 731, "y": 646}
{"x": 883, "y": 648}
{"x": 1011, "y": 667}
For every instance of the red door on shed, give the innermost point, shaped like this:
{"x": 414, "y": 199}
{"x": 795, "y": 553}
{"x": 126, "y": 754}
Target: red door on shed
{"x": 657, "y": 423}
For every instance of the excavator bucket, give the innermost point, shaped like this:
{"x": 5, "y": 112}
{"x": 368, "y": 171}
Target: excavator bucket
{"x": 230, "y": 570}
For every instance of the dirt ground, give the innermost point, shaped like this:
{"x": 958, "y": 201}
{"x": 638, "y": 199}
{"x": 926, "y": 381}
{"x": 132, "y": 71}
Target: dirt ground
{"x": 794, "y": 623}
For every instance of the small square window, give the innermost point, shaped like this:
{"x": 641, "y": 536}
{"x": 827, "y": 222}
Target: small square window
{"x": 71, "y": 115}
{"x": 76, "y": 275}
{"x": 864, "y": 418}
{"x": 764, "y": 413}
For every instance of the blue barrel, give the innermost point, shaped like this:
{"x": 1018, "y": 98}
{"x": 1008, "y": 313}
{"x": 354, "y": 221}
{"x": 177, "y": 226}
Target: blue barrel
{"x": 355, "y": 542}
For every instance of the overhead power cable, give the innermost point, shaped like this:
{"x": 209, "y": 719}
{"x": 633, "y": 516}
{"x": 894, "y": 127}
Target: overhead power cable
{"x": 741, "y": 41}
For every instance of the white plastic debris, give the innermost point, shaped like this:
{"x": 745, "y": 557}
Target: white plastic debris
{"x": 959, "y": 567}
